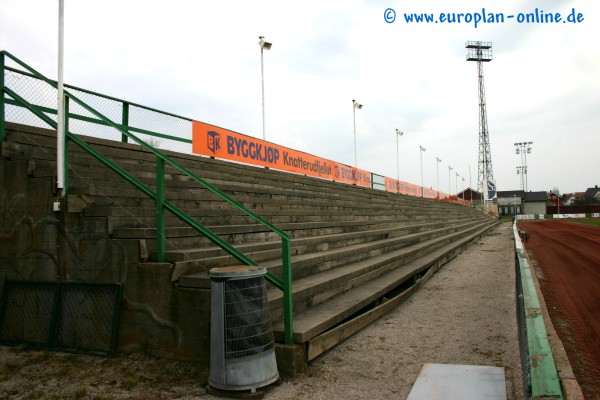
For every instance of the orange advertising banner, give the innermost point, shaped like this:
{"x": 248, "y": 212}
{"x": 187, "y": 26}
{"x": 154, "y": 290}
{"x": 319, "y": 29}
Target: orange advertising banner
{"x": 212, "y": 141}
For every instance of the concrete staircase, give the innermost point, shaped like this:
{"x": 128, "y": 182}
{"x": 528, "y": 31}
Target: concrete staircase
{"x": 354, "y": 250}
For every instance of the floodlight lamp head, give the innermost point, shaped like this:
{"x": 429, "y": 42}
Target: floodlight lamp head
{"x": 357, "y": 105}
{"x": 422, "y": 148}
{"x": 517, "y": 151}
{"x": 399, "y": 132}
{"x": 263, "y": 44}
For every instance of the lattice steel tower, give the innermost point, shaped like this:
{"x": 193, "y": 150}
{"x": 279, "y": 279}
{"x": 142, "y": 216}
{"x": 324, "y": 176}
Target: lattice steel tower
{"x": 482, "y": 52}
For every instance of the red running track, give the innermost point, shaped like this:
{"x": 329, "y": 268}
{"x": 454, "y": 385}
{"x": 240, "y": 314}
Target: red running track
{"x": 568, "y": 268}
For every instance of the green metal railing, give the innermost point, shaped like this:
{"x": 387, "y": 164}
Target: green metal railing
{"x": 543, "y": 381}
{"x": 157, "y": 195}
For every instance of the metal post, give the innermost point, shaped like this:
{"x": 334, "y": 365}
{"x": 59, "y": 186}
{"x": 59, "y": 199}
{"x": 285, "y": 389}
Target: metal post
{"x": 354, "y": 121}
{"x": 288, "y": 316}
{"x": 160, "y": 210}
{"x": 421, "y": 150}
{"x": 449, "y": 188}
{"x": 398, "y": 134}
{"x": 263, "y": 45}
{"x": 125, "y": 121}
{"x": 355, "y": 105}
{"x": 397, "y": 156}
{"x": 66, "y": 150}
{"x": 456, "y": 184}
{"x": 60, "y": 131}
{"x": 2, "y": 114}
{"x": 437, "y": 165}
{"x": 525, "y": 164}
{"x": 262, "y": 80}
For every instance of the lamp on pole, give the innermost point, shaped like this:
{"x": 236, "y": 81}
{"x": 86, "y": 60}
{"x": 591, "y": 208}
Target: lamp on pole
{"x": 263, "y": 46}
{"x": 437, "y": 165}
{"x": 523, "y": 148}
{"x": 463, "y": 188}
{"x": 355, "y": 106}
{"x": 398, "y": 134}
{"x": 449, "y": 171}
{"x": 456, "y": 184}
{"x": 421, "y": 151}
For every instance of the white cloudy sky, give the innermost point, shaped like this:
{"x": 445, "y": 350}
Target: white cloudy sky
{"x": 201, "y": 59}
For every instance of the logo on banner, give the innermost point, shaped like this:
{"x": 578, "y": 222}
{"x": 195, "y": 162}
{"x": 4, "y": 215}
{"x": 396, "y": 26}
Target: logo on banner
{"x": 491, "y": 188}
{"x": 213, "y": 141}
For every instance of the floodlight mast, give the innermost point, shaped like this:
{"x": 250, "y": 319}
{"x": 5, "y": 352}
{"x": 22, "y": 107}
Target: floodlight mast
{"x": 482, "y": 52}
{"x": 523, "y": 148}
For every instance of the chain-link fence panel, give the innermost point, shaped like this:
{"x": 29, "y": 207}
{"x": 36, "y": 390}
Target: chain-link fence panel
{"x": 159, "y": 129}
{"x": 167, "y": 124}
{"x": 34, "y": 91}
{"x": 66, "y": 316}
{"x": 26, "y": 313}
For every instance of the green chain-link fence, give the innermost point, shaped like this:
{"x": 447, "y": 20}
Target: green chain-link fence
{"x": 162, "y": 130}
{"x": 68, "y": 316}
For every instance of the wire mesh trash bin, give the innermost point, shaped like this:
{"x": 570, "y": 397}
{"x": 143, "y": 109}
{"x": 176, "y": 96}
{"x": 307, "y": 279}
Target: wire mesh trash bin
{"x": 242, "y": 348}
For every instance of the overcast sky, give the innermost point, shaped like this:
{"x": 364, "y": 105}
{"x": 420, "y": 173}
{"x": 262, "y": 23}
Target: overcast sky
{"x": 201, "y": 59}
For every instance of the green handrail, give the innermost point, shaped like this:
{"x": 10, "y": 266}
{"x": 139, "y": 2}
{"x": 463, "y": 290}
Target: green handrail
{"x": 543, "y": 376}
{"x": 284, "y": 284}
{"x": 2, "y": 122}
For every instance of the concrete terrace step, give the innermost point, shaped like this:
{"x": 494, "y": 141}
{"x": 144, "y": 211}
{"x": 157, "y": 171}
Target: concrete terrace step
{"x": 319, "y": 318}
{"x": 312, "y": 260}
{"x": 313, "y": 289}
{"x": 304, "y": 245}
{"x": 351, "y": 246}
{"x": 187, "y": 237}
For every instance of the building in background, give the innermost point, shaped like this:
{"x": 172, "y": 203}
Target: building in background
{"x": 592, "y": 195}
{"x": 535, "y": 202}
{"x": 510, "y": 202}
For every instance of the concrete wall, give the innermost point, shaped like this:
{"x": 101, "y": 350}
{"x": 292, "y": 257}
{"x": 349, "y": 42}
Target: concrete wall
{"x": 37, "y": 243}
{"x": 534, "y": 208}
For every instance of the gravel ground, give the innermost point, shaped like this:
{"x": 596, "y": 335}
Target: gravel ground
{"x": 465, "y": 314}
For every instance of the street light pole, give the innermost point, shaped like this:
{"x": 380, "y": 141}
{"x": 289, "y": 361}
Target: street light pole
{"x": 355, "y": 106}
{"x": 421, "y": 150}
{"x": 456, "y": 184}
{"x": 398, "y": 134}
{"x": 449, "y": 188}
{"x": 437, "y": 165}
{"x": 523, "y": 148}
{"x": 263, "y": 46}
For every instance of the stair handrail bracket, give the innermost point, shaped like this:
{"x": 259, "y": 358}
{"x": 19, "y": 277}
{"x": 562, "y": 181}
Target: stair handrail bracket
{"x": 284, "y": 284}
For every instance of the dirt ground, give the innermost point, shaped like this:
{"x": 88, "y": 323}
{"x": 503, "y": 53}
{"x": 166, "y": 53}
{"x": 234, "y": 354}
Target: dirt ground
{"x": 567, "y": 260}
{"x": 465, "y": 314}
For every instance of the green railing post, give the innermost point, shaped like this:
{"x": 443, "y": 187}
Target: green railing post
{"x": 125, "y": 121}
{"x": 159, "y": 195}
{"x": 160, "y": 209}
{"x": 66, "y": 150}
{"x": 2, "y": 122}
{"x": 288, "y": 306}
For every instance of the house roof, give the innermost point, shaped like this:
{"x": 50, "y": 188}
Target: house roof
{"x": 510, "y": 193}
{"x": 592, "y": 193}
{"x": 536, "y": 196}
{"x": 469, "y": 194}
